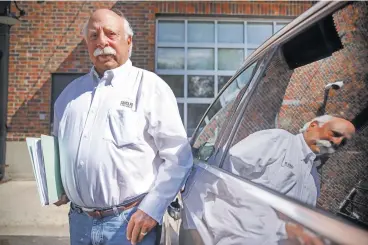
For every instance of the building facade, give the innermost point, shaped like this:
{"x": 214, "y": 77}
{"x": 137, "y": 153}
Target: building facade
{"x": 194, "y": 46}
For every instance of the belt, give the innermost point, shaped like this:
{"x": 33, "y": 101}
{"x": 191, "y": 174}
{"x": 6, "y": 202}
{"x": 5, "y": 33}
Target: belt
{"x": 99, "y": 214}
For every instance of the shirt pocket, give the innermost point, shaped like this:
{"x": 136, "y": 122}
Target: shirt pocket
{"x": 121, "y": 127}
{"x": 282, "y": 178}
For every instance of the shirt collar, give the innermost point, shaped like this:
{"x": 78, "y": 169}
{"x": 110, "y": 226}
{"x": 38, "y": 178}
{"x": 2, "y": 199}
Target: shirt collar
{"x": 308, "y": 154}
{"x": 122, "y": 72}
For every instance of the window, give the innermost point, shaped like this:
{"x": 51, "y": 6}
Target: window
{"x": 59, "y": 83}
{"x": 220, "y": 111}
{"x": 197, "y": 57}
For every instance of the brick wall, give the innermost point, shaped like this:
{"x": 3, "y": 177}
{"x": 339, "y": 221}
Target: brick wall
{"x": 49, "y": 41}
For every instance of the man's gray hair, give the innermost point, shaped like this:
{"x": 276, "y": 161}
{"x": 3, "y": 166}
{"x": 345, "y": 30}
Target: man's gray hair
{"x": 127, "y": 28}
{"x": 320, "y": 120}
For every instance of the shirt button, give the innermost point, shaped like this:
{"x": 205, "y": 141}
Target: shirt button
{"x": 85, "y": 136}
{"x": 81, "y": 163}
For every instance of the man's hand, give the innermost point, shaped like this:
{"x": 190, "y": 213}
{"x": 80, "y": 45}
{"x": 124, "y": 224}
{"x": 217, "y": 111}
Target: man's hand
{"x": 63, "y": 200}
{"x": 295, "y": 231}
{"x": 139, "y": 225}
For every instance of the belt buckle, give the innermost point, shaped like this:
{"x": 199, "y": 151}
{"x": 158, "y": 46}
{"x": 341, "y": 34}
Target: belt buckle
{"x": 87, "y": 210}
{"x": 94, "y": 213}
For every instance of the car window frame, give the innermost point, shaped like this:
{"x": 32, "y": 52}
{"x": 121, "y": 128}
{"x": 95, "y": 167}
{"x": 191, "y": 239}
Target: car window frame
{"x": 237, "y": 101}
{"x": 228, "y": 83}
{"x": 225, "y": 142}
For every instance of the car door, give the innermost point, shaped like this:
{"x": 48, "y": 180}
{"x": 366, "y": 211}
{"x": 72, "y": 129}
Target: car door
{"x": 225, "y": 204}
{"x": 212, "y": 128}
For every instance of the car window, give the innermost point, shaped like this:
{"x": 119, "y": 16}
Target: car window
{"x": 219, "y": 112}
{"x": 296, "y": 133}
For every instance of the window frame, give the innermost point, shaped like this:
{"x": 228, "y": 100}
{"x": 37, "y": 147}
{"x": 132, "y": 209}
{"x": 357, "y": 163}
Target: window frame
{"x": 223, "y": 133}
{"x": 225, "y": 143}
{"x": 185, "y": 100}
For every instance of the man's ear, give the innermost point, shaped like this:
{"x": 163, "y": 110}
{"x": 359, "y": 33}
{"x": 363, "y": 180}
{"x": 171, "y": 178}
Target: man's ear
{"x": 313, "y": 124}
{"x": 129, "y": 40}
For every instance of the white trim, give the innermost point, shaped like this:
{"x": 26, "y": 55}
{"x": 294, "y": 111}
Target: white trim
{"x": 216, "y": 60}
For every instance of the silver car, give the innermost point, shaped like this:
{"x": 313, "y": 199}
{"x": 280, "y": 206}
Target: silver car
{"x": 314, "y": 66}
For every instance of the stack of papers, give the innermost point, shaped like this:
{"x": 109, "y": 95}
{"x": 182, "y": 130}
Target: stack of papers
{"x": 44, "y": 153}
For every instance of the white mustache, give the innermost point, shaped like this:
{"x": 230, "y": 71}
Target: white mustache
{"x": 105, "y": 51}
{"x": 325, "y": 147}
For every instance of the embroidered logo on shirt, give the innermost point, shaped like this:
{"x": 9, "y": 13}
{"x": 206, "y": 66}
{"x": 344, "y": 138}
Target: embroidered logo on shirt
{"x": 287, "y": 164}
{"x": 126, "y": 104}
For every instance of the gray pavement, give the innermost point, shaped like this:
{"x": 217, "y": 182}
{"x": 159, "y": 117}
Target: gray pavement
{"x": 23, "y": 221}
{"x": 23, "y": 215}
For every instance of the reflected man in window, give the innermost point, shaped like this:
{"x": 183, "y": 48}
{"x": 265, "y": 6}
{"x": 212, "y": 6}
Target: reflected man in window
{"x": 285, "y": 162}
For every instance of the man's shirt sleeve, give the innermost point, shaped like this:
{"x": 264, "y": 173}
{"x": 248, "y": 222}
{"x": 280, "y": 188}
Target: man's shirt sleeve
{"x": 255, "y": 152}
{"x": 169, "y": 135}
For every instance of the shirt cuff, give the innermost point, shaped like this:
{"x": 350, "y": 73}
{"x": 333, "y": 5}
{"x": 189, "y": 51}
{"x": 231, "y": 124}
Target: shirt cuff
{"x": 154, "y": 206}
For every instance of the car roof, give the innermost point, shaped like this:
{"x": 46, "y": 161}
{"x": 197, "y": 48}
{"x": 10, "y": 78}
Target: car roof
{"x": 312, "y": 15}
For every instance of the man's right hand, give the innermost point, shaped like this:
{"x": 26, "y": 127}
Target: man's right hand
{"x": 63, "y": 200}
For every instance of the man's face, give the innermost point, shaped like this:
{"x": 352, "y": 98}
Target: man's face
{"x": 326, "y": 139}
{"x": 107, "y": 46}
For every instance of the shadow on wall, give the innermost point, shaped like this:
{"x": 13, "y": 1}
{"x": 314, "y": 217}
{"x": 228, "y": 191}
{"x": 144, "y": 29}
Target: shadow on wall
{"x": 35, "y": 114}
{"x": 37, "y": 110}
{"x": 55, "y": 46}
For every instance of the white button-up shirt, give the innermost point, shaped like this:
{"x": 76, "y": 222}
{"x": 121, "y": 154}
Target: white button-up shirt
{"x": 279, "y": 160}
{"x": 121, "y": 136}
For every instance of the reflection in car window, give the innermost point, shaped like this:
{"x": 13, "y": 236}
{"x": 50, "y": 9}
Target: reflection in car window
{"x": 302, "y": 133}
{"x": 293, "y": 120}
{"x": 220, "y": 110}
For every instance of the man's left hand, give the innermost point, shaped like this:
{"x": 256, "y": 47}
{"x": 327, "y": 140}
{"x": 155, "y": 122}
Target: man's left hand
{"x": 139, "y": 225}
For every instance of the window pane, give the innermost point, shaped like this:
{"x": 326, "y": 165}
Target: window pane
{"x": 244, "y": 77}
{"x": 201, "y": 86}
{"x": 170, "y": 58}
{"x": 176, "y": 83}
{"x": 257, "y": 33}
{"x": 201, "y": 32}
{"x": 222, "y": 80}
{"x": 230, "y": 58}
{"x": 236, "y": 85}
{"x": 181, "y": 111}
{"x": 171, "y": 31}
{"x": 200, "y": 59}
{"x": 230, "y": 32}
{"x": 279, "y": 26}
{"x": 220, "y": 112}
{"x": 195, "y": 113}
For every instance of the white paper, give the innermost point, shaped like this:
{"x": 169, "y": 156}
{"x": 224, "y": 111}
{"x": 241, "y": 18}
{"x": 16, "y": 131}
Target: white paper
{"x": 35, "y": 151}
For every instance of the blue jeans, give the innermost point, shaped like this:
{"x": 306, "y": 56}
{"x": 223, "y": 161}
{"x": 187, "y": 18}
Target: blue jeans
{"x": 110, "y": 230}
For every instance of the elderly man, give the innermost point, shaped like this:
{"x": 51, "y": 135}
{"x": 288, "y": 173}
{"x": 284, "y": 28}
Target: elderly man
{"x": 287, "y": 163}
{"x": 124, "y": 151}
